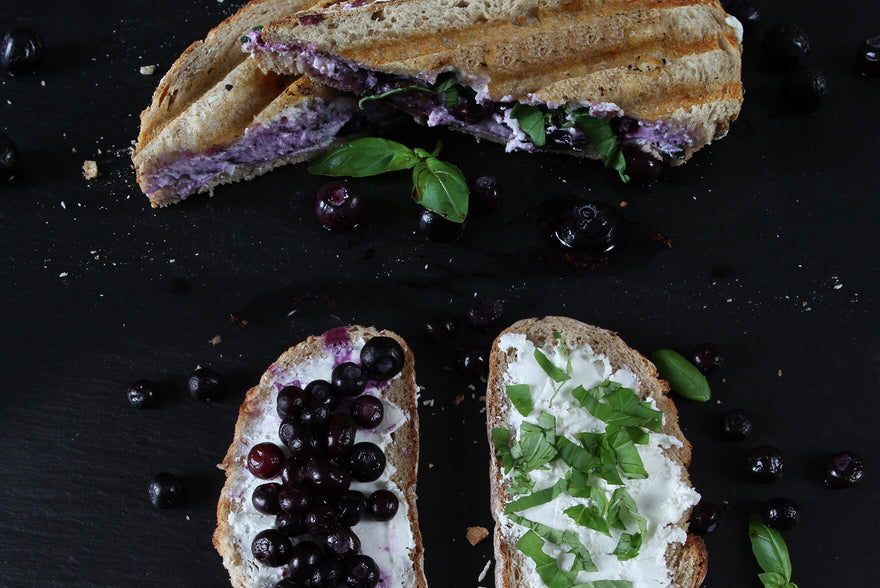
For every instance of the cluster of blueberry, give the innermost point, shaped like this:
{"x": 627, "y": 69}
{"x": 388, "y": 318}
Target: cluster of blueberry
{"x": 764, "y": 463}
{"x": 313, "y": 501}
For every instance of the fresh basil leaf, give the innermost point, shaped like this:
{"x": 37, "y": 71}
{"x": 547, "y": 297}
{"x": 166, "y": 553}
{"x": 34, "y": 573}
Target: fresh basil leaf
{"x": 537, "y": 498}
{"x": 683, "y": 377}
{"x": 501, "y": 442}
{"x": 368, "y": 156}
{"x": 450, "y": 90}
{"x": 563, "y": 350}
{"x": 521, "y": 397}
{"x": 627, "y": 455}
{"x": 531, "y": 121}
{"x": 578, "y": 458}
{"x": 617, "y": 162}
{"x": 622, "y": 408}
{"x": 579, "y": 483}
{"x": 622, "y": 509}
{"x": 522, "y": 483}
{"x": 547, "y": 533}
{"x": 555, "y": 374}
{"x": 533, "y": 450}
{"x": 772, "y": 580}
{"x": 769, "y": 548}
{"x": 600, "y": 391}
{"x": 588, "y": 516}
{"x": 413, "y": 88}
{"x": 583, "y": 561}
{"x": 441, "y": 187}
{"x": 638, "y": 435}
{"x": 532, "y": 547}
{"x": 603, "y": 139}
{"x": 547, "y": 423}
{"x": 628, "y": 546}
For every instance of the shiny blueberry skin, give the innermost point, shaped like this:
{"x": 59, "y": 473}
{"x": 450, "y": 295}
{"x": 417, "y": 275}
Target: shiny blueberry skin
{"x": 366, "y": 462}
{"x": 844, "y": 470}
{"x": 300, "y": 439}
{"x": 765, "y": 463}
{"x": 590, "y": 227}
{"x": 804, "y": 90}
{"x": 338, "y": 205}
{"x": 437, "y": 228}
{"x": 367, "y": 411}
{"x": 293, "y": 471}
{"x": 736, "y": 425}
{"x": 322, "y": 520}
{"x": 21, "y": 50}
{"x": 351, "y": 507}
{"x": 10, "y": 160}
{"x": 382, "y": 358}
{"x": 322, "y": 392}
{"x": 142, "y": 394}
{"x": 471, "y": 360}
{"x": 349, "y": 379}
{"x": 485, "y": 310}
{"x": 343, "y": 542}
{"x": 642, "y": 168}
{"x": 341, "y": 430}
{"x": 780, "y": 513}
{"x": 315, "y": 414}
{"x": 746, "y": 11}
{"x": 486, "y": 194}
{"x": 295, "y": 498}
{"x": 360, "y": 572}
{"x": 439, "y": 326}
{"x": 265, "y": 498}
{"x": 784, "y": 46}
{"x": 305, "y": 557}
{"x": 704, "y": 518}
{"x": 290, "y": 401}
{"x": 265, "y": 460}
{"x": 869, "y": 57}
{"x": 165, "y": 490}
{"x": 382, "y": 505}
{"x": 328, "y": 574}
{"x": 707, "y": 357}
{"x": 205, "y": 384}
{"x": 271, "y": 547}
{"x": 327, "y": 478}
{"x": 292, "y": 525}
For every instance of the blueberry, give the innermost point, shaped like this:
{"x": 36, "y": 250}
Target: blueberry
{"x": 322, "y": 520}
{"x": 437, "y": 228}
{"x": 803, "y": 90}
{"x": 338, "y": 205}
{"x": 642, "y": 168}
{"x": 343, "y": 542}
{"x": 780, "y": 513}
{"x": 295, "y": 499}
{"x": 746, "y": 11}
{"x": 485, "y": 310}
{"x": 328, "y": 478}
{"x": 290, "y": 401}
{"x": 382, "y": 505}
{"x": 142, "y": 394}
{"x": 165, "y": 490}
{"x": 302, "y": 441}
{"x": 264, "y": 460}
{"x": 10, "y": 160}
{"x": 591, "y": 227}
{"x": 315, "y": 414}
{"x": 322, "y": 392}
{"x": 205, "y": 384}
{"x": 844, "y": 470}
{"x": 340, "y": 435}
{"x": 271, "y": 547}
{"x": 869, "y": 57}
{"x": 360, "y": 571}
{"x": 367, "y": 411}
{"x": 265, "y": 498}
{"x": 736, "y": 425}
{"x": 291, "y": 524}
{"x": 366, "y": 462}
{"x": 21, "y": 50}
{"x": 765, "y": 463}
{"x": 784, "y": 46}
{"x": 382, "y": 357}
{"x": 704, "y": 518}
{"x": 472, "y": 360}
{"x": 289, "y": 583}
{"x": 486, "y": 194}
{"x": 328, "y": 574}
{"x": 439, "y": 326}
{"x": 351, "y": 507}
{"x": 305, "y": 557}
{"x": 349, "y": 379}
{"x": 707, "y": 357}
{"x": 468, "y": 111}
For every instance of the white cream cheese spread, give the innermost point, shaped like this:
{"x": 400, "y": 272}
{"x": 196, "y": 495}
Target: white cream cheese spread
{"x": 388, "y": 542}
{"x": 662, "y": 498}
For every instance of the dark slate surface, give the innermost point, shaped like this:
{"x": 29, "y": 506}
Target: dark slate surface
{"x": 773, "y": 256}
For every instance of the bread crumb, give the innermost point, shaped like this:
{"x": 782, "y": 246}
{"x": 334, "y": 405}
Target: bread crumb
{"x": 482, "y": 575}
{"x": 216, "y": 340}
{"x": 458, "y": 400}
{"x": 90, "y": 169}
{"x": 428, "y": 402}
{"x": 779, "y": 373}
{"x": 148, "y": 70}
{"x": 476, "y": 534}
{"x": 624, "y": 204}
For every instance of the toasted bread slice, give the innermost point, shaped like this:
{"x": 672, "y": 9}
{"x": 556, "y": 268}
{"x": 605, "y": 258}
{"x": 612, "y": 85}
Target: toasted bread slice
{"x": 669, "y": 69}
{"x": 674, "y": 558}
{"x": 396, "y": 545}
{"x": 216, "y": 118}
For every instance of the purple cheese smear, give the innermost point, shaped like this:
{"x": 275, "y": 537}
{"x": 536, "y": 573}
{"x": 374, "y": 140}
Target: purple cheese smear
{"x": 354, "y": 77}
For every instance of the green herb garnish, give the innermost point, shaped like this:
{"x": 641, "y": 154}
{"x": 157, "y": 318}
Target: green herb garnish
{"x": 438, "y": 186}
{"x": 537, "y": 498}
{"x": 621, "y": 407}
{"x": 532, "y": 121}
{"x": 532, "y": 546}
{"x": 589, "y": 516}
{"x": 521, "y": 397}
{"x": 604, "y": 141}
{"x": 772, "y": 555}
{"x": 683, "y": 376}
{"x": 628, "y": 546}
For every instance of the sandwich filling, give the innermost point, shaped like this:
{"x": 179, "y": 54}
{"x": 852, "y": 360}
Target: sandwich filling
{"x": 444, "y": 100}
{"x": 591, "y": 494}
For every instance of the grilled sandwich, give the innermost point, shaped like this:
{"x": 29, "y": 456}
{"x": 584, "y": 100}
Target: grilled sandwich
{"x": 585, "y": 76}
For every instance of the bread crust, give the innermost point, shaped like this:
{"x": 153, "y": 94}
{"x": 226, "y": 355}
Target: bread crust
{"x": 675, "y": 62}
{"x": 689, "y": 562}
{"x": 402, "y": 453}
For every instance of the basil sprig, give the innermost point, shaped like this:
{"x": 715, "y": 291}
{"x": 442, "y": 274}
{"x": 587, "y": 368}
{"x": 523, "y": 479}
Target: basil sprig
{"x": 437, "y": 185}
{"x": 683, "y": 376}
{"x": 772, "y": 555}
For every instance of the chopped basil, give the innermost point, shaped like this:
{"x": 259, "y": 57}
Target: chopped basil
{"x": 501, "y": 442}
{"x": 563, "y": 350}
{"x": 628, "y": 546}
{"x": 556, "y": 374}
{"x": 534, "y": 449}
{"x": 627, "y": 455}
{"x": 582, "y": 559}
{"x": 589, "y": 516}
{"x": 578, "y": 458}
{"x": 540, "y": 497}
{"x": 684, "y": 378}
{"x": 622, "y": 407}
{"x": 531, "y": 121}
{"x": 547, "y": 567}
{"x": 547, "y": 533}
{"x": 623, "y": 506}
{"x": 522, "y": 483}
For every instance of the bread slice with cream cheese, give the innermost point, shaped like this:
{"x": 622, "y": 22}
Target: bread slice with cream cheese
{"x": 631, "y": 530}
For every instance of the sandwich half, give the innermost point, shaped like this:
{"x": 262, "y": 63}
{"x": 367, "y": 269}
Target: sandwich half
{"x": 217, "y": 118}
{"x": 588, "y": 476}
{"x": 662, "y": 75}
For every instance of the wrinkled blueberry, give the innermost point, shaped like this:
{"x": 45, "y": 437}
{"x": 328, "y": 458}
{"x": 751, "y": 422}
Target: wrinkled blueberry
{"x": 803, "y": 90}
{"x": 165, "y": 490}
{"x": 844, "y": 470}
{"x": 736, "y": 425}
{"x": 784, "y": 46}
{"x": 765, "y": 463}
{"x": 205, "y": 384}
{"x": 780, "y": 513}
{"x": 271, "y": 547}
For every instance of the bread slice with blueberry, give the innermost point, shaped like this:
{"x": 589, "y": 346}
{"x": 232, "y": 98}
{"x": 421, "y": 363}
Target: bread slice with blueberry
{"x": 588, "y": 474}
{"x": 321, "y": 474}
